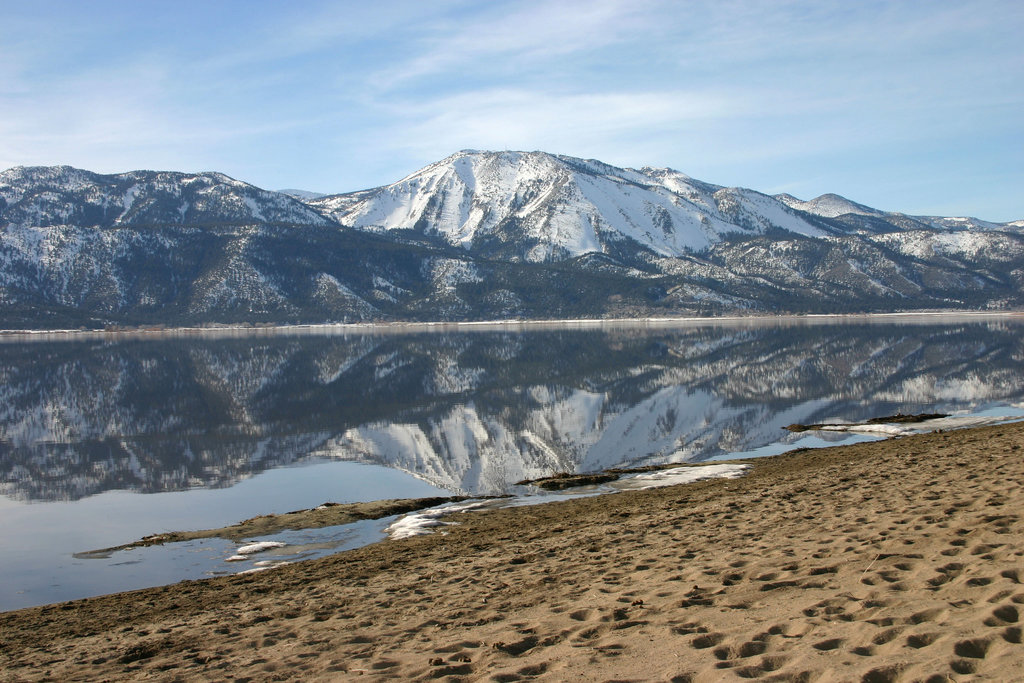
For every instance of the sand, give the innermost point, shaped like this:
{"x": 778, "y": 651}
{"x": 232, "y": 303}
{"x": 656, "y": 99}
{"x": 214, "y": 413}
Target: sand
{"x": 894, "y": 560}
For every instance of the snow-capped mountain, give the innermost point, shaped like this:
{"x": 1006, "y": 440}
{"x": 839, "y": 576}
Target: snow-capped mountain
{"x": 837, "y": 207}
{"x": 542, "y": 207}
{"x": 45, "y": 196}
{"x": 828, "y": 205}
{"x": 479, "y": 235}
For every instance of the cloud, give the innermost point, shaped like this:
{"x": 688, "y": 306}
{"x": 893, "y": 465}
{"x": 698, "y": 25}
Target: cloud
{"x": 618, "y": 125}
{"x": 117, "y": 119}
{"x": 516, "y": 36}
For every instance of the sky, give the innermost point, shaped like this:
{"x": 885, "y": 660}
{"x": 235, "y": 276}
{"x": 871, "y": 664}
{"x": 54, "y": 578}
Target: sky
{"x": 914, "y": 106}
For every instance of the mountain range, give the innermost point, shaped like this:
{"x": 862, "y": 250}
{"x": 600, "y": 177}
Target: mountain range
{"x": 478, "y": 235}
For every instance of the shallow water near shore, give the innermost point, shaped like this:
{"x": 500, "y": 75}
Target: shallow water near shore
{"x": 41, "y": 540}
{"x": 103, "y": 442}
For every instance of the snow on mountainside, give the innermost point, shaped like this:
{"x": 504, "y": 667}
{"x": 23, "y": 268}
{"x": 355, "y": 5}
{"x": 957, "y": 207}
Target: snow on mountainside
{"x": 61, "y": 195}
{"x": 552, "y": 207}
{"x": 835, "y": 206}
{"x": 968, "y": 223}
{"x": 828, "y": 205}
{"x": 302, "y": 195}
{"x": 479, "y": 235}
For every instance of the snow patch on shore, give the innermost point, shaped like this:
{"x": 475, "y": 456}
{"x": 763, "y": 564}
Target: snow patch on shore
{"x": 263, "y": 566}
{"x": 424, "y": 522}
{"x": 679, "y": 475}
{"x": 259, "y": 547}
{"x": 908, "y": 428}
{"x": 881, "y": 429}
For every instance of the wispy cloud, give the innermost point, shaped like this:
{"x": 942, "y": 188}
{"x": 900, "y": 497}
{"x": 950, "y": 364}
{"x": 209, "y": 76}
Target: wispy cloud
{"x": 510, "y": 38}
{"x": 526, "y": 119}
{"x": 110, "y": 119}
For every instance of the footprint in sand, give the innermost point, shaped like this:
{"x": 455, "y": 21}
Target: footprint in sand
{"x": 830, "y": 644}
{"x": 886, "y": 636}
{"x": 946, "y": 574}
{"x": 919, "y": 640}
{"x": 1002, "y": 615}
{"x": 689, "y": 628}
{"x": 963, "y": 666}
{"x": 929, "y": 615}
{"x": 884, "y": 674}
{"x": 974, "y": 648}
{"x": 1015, "y": 575}
{"x": 707, "y": 640}
{"x": 790, "y": 629}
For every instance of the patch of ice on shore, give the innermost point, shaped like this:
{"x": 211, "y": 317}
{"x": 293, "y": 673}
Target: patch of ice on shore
{"x": 999, "y": 416}
{"x": 679, "y": 475}
{"x": 905, "y": 429}
{"x": 266, "y": 564}
{"x": 425, "y": 521}
{"x": 258, "y": 547}
{"x": 262, "y": 567}
{"x": 886, "y": 429}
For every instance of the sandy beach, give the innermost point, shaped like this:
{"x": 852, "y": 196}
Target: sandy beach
{"x": 898, "y": 560}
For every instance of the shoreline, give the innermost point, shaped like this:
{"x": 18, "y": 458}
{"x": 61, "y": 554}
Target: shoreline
{"x": 261, "y": 329}
{"x": 330, "y": 513}
{"x": 888, "y": 560}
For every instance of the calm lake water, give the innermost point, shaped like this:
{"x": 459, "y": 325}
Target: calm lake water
{"x": 105, "y": 441}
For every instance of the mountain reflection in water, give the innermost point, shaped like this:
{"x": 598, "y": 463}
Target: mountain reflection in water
{"x": 470, "y": 412}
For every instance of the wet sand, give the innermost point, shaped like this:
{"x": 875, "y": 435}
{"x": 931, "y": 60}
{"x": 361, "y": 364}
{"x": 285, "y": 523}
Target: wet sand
{"x": 895, "y": 560}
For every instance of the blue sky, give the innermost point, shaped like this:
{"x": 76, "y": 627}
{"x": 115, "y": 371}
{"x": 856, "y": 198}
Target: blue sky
{"x": 914, "y": 106}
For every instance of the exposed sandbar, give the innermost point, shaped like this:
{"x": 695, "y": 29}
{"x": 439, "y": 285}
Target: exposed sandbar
{"x": 328, "y": 514}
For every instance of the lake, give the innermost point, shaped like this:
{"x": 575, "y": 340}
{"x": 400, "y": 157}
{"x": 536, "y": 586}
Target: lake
{"x": 105, "y": 440}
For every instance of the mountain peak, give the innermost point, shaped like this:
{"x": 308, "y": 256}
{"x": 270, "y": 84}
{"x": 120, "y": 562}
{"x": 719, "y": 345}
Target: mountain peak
{"x": 537, "y": 206}
{"x": 302, "y": 195}
{"x": 828, "y": 205}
